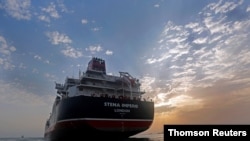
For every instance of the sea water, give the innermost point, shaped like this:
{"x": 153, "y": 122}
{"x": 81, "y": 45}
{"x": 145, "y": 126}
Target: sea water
{"x": 144, "y": 137}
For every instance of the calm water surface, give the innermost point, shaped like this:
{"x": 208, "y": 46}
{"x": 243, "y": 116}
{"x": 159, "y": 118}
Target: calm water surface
{"x": 148, "y": 137}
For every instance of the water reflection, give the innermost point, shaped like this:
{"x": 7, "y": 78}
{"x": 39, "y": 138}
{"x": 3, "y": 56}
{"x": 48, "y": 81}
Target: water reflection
{"x": 144, "y": 137}
{"x": 102, "y": 139}
{"x": 137, "y": 139}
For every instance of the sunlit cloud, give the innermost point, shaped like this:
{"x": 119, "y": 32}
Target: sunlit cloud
{"x": 200, "y": 41}
{"x": 224, "y": 7}
{"x": 12, "y": 94}
{"x": 198, "y": 56}
{"x": 179, "y": 101}
{"x": 159, "y": 59}
{"x": 147, "y": 84}
{"x": 196, "y": 70}
{"x": 25, "y": 104}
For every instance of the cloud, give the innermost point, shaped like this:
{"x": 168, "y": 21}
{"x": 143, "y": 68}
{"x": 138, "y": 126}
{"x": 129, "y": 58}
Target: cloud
{"x": 51, "y": 10}
{"x": 94, "y": 49}
{"x": 27, "y": 105}
{"x": 39, "y": 58}
{"x": 200, "y": 41}
{"x": 12, "y": 94}
{"x": 72, "y": 52}
{"x": 5, "y": 54}
{"x": 84, "y": 21}
{"x": 248, "y": 9}
{"x": 109, "y": 52}
{"x": 22, "y": 66}
{"x": 18, "y": 9}
{"x": 34, "y": 70}
{"x": 5, "y": 49}
{"x": 148, "y": 84}
{"x": 179, "y": 101}
{"x": 58, "y": 38}
{"x": 44, "y": 18}
{"x": 95, "y": 29}
{"x": 157, "y": 5}
{"x": 21, "y": 10}
{"x": 50, "y": 77}
{"x": 62, "y": 7}
{"x": 223, "y": 7}
{"x": 200, "y": 64}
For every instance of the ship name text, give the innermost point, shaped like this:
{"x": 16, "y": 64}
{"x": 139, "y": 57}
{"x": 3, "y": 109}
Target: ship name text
{"x": 121, "y": 105}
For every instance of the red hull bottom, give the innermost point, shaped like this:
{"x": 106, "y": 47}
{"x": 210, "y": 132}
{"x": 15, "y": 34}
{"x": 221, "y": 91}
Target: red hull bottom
{"x": 95, "y": 128}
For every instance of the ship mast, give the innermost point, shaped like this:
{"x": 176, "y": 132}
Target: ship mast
{"x": 128, "y": 78}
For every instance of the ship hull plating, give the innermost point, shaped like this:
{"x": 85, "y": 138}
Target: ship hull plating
{"x": 83, "y": 116}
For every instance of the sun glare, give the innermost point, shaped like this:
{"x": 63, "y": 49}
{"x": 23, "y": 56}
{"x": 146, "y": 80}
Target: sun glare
{"x": 178, "y": 101}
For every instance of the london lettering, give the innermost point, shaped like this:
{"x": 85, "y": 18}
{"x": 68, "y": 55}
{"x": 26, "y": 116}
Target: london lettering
{"x": 121, "y": 110}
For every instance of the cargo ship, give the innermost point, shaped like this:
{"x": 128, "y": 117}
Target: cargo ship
{"x": 100, "y": 104}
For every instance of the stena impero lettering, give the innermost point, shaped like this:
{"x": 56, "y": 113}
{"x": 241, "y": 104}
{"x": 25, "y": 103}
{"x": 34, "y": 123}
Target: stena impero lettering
{"x": 123, "y": 105}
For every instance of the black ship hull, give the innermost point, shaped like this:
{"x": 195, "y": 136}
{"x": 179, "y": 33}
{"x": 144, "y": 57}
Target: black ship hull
{"x": 83, "y": 116}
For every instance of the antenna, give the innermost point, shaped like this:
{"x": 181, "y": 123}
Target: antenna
{"x": 80, "y": 73}
{"x": 79, "y": 70}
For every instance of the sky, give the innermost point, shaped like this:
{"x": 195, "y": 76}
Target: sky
{"x": 192, "y": 57}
